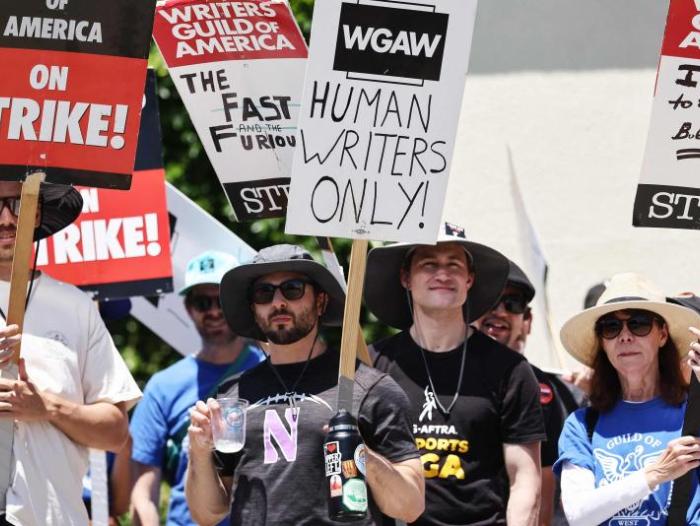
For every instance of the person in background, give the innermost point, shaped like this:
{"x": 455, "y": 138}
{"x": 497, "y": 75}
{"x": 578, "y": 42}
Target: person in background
{"x": 159, "y": 424}
{"x": 509, "y": 322}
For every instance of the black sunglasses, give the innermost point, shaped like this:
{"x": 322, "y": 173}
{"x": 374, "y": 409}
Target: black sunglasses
{"x": 639, "y": 323}
{"x": 292, "y": 289}
{"x": 202, "y": 303}
{"x": 513, "y": 303}
{"x": 12, "y": 204}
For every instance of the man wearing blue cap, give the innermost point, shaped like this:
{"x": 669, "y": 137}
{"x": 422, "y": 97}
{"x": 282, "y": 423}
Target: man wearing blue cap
{"x": 159, "y": 425}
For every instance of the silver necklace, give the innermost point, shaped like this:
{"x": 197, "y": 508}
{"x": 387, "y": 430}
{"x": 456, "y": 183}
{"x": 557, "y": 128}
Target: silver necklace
{"x": 446, "y": 410}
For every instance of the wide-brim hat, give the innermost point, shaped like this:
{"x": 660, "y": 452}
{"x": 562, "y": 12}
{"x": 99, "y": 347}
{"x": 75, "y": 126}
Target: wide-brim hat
{"x": 386, "y": 297}
{"x": 236, "y": 284}
{"x": 623, "y": 292}
{"x": 60, "y": 206}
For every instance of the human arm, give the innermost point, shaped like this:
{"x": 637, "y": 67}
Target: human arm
{"x": 523, "y": 467}
{"x": 100, "y": 425}
{"x": 120, "y": 481}
{"x": 208, "y": 495}
{"x": 398, "y": 488}
{"x": 585, "y": 505}
{"x": 145, "y": 495}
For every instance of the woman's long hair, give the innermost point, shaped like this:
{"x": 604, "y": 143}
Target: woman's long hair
{"x": 605, "y": 384}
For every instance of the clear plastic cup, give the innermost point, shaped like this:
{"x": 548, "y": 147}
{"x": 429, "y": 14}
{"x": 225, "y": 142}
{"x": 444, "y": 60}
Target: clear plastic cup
{"x": 228, "y": 424}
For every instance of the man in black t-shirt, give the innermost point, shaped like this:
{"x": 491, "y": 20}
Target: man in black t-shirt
{"x": 509, "y": 322}
{"x": 279, "y": 477}
{"x": 474, "y": 403}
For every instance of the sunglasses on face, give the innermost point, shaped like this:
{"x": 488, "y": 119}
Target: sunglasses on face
{"x": 291, "y": 289}
{"x": 639, "y": 324}
{"x": 203, "y": 303}
{"x": 12, "y": 204}
{"x": 513, "y": 303}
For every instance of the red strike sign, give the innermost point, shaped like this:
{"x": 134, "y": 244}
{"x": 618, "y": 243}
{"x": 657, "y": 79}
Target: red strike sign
{"x": 56, "y": 113}
{"x": 119, "y": 237}
{"x": 71, "y": 91}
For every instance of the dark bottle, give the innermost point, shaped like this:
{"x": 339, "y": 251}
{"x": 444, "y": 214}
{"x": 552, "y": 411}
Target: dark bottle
{"x": 344, "y": 456}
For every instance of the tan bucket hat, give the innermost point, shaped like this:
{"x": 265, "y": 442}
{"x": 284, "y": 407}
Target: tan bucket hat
{"x": 627, "y": 291}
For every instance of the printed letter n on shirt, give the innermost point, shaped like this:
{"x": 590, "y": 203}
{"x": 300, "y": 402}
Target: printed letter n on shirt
{"x": 286, "y": 440}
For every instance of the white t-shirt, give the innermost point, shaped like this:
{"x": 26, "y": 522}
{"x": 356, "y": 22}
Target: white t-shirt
{"x": 67, "y": 352}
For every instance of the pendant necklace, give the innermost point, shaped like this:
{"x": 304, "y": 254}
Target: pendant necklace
{"x": 290, "y": 393}
{"x": 446, "y": 410}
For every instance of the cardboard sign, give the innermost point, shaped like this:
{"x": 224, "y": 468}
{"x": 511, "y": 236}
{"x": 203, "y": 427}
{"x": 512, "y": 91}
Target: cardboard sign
{"x": 668, "y": 194}
{"x": 70, "y": 98}
{"x": 119, "y": 246}
{"x": 381, "y": 102}
{"x": 193, "y": 232}
{"x": 239, "y": 68}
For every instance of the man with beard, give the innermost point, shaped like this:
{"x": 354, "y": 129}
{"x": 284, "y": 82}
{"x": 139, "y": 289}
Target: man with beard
{"x": 509, "y": 322}
{"x": 73, "y": 388}
{"x": 160, "y": 422}
{"x": 280, "y": 479}
{"x": 474, "y": 403}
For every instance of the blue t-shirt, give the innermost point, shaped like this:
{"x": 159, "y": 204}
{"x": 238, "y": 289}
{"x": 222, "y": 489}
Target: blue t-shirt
{"x": 167, "y": 398}
{"x": 625, "y": 440}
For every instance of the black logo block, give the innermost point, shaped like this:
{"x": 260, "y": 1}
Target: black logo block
{"x": 391, "y": 42}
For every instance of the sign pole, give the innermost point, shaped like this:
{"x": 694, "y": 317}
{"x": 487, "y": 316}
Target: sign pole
{"x": 24, "y": 239}
{"x": 23, "y": 252}
{"x": 351, "y": 324}
{"x": 334, "y": 266}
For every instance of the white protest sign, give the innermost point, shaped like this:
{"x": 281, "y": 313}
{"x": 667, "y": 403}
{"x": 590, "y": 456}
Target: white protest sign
{"x": 379, "y": 115}
{"x": 668, "y": 194}
{"x": 193, "y": 232}
{"x": 239, "y": 68}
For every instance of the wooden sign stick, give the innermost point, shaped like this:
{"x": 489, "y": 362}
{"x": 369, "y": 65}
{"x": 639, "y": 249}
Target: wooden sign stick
{"x": 333, "y": 265}
{"x": 351, "y": 324}
{"x": 24, "y": 239}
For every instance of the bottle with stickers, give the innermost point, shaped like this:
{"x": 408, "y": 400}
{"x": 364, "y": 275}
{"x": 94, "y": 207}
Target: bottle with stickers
{"x": 344, "y": 456}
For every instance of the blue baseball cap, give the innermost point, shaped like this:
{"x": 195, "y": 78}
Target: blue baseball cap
{"x": 207, "y": 269}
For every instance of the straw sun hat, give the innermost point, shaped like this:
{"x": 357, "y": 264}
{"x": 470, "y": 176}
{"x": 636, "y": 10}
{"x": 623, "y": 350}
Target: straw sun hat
{"x": 627, "y": 291}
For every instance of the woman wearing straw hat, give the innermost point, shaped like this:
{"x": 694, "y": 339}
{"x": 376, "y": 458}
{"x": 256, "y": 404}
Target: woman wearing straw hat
{"x": 619, "y": 458}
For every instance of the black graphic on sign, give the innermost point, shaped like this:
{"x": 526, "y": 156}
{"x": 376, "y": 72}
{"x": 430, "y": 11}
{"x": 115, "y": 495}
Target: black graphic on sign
{"x": 258, "y": 199}
{"x": 665, "y": 206}
{"x": 391, "y": 42}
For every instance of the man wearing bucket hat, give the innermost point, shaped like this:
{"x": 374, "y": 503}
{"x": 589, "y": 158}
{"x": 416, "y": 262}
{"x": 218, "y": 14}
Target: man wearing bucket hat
{"x": 283, "y": 296}
{"x": 160, "y": 421}
{"x": 510, "y": 322}
{"x": 474, "y": 403}
{"x": 73, "y": 389}
{"x": 619, "y": 458}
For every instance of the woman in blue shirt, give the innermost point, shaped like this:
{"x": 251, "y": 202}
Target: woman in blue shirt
{"x": 619, "y": 458}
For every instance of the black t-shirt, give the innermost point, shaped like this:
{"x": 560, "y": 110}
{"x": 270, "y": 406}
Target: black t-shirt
{"x": 462, "y": 453}
{"x": 279, "y": 475}
{"x": 554, "y": 413}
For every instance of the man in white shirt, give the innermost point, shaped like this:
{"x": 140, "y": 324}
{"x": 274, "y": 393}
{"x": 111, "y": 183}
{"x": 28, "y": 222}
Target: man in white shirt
{"x": 73, "y": 389}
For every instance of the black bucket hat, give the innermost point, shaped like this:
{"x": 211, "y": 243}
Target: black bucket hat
{"x": 386, "y": 297}
{"x": 236, "y": 284}
{"x": 518, "y": 278}
{"x": 60, "y": 206}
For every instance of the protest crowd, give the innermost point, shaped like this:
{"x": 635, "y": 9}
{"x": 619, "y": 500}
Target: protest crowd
{"x": 277, "y": 412}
